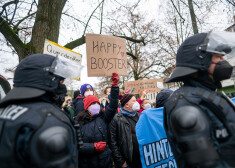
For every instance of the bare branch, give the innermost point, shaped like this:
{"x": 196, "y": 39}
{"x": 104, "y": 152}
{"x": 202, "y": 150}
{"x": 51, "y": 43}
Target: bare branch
{"x": 31, "y": 6}
{"x": 132, "y": 55}
{"x": 101, "y": 20}
{"x": 91, "y": 16}
{"x": 177, "y": 11}
{"x": 7, "y": 4}
{"x": 184, "y": 3}
{"x": 16, "y": 2}
{"x": 136, "y": 5}
{"x": 232, "y": 3}
{"x": 132, "y": 40}
{"x": 10, "y": 35}
{"x": 193, "y": 17}
{"x": 74, "y": 18}
{"x": 75, "y": 43}
{"x": 20, "y": 21}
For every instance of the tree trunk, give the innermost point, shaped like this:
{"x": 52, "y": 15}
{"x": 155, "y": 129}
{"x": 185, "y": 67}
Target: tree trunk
{"x": 193, "y": 17}
{"x": 47, "y": 23}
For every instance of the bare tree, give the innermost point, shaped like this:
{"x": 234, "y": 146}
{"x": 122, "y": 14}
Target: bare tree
{"x": 48, "y": 14}
{"x": 26, "y": 24}
{"x": 193, "y": 17}
{"x": 183, "y": 19}
{"x": 142, "y": 57}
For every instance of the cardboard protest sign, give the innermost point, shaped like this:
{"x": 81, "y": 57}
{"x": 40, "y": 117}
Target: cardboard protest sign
{"x": 55, "y": 49}
{"x": 105, "y": 55}
{"x": 150, "y": 85}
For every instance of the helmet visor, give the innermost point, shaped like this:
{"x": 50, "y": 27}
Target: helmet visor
{"x": 66, "y": 68}
{"x": 220, "y": 42}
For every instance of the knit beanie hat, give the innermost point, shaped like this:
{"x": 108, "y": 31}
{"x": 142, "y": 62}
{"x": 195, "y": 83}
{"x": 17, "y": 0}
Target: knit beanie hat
{"x": 125, "y": 98}
{"x": 89, "y": 100}
{"x": 85, "y": 87}
{"x": 162, "y": 96}
{"x": 120, "y": 96}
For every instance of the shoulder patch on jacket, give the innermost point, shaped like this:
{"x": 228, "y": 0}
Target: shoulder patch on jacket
{"x": 12, "y": 112}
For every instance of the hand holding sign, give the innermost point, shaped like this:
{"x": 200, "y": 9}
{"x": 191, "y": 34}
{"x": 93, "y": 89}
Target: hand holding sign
{"x": 115, "y": 79}
{"x": 143, "y": 94}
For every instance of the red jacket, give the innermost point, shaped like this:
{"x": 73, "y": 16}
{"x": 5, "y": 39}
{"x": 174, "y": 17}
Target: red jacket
{"x": 140, "y": 102}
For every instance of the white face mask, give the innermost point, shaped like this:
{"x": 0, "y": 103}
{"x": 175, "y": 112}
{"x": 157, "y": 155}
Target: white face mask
{"x": 136, "y": 107}
{"x": 87, "y": 93}
{"x": 147, "y": 106}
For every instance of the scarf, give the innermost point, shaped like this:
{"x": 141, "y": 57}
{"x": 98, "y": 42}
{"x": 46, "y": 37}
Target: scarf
{"x": 128, "y": 113}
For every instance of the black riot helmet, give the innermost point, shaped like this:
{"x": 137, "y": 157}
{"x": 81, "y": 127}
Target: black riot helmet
{"x": 33, "y": 78}
{"x": 190, "y": 58}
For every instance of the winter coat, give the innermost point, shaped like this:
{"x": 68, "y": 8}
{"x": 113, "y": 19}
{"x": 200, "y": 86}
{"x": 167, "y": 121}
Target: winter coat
{"x": 95, "y": 129}
{"x": 78, "y": 104}
{"x": 71, "y": 111}
{"x": 140, "y": 102}
{"x": 120, "y": 139}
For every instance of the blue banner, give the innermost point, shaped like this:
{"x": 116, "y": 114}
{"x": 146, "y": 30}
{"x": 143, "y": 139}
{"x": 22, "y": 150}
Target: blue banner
{"x": 155, "y": 151}
{"x": 233, "y": 99}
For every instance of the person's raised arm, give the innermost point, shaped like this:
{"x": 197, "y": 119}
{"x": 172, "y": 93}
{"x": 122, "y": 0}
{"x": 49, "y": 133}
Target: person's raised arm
{"x": 111, "y": 109}
{"x": 140, "y": 100}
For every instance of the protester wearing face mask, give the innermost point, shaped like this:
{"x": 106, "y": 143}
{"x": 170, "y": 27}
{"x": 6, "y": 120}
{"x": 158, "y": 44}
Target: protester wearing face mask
{"x": 86, "y": 90}
{"x": 123, "y": 141}
{"x": 144, "y": 103}
{"x": 95, "y": 151}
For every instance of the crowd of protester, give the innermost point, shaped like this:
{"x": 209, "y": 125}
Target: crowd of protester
{"x": 108, "y": 125}
{"x": 41, "y": 127}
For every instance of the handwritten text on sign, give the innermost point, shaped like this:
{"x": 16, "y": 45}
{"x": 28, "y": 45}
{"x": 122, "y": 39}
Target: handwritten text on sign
{"x": 150, "y": 85}
{"x": 105, "y": 55}
{"x": 55, "y": 49}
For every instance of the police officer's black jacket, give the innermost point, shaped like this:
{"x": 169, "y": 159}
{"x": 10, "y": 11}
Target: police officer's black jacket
{"x": 34, "y": 132}
{"x": 23, "y": 127}
{"x": 95, "y": 129}
{"x": 200, "y": 126}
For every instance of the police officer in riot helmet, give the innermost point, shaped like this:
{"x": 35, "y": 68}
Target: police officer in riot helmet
{"x": 34, "y": 132}
{"x": 199, "y": 122}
